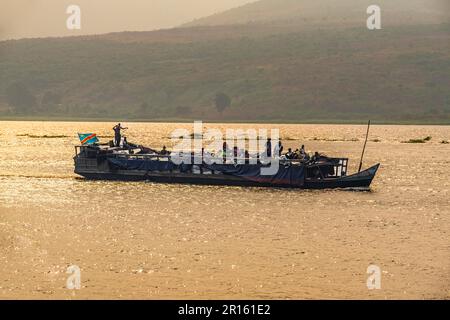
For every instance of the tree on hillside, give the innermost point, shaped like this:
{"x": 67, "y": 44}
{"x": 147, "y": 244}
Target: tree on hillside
{"x": 20, "y": 97}
{"x": 222, "y": 101}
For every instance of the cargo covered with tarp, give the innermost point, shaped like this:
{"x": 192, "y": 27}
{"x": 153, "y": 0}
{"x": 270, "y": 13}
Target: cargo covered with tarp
{"x": 293, "y": 175}
{"x": 141, "y": 164}
{"x": 286, "y": 175}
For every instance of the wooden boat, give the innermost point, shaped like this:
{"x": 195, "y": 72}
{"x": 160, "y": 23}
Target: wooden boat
{"x": 107, "y": 163}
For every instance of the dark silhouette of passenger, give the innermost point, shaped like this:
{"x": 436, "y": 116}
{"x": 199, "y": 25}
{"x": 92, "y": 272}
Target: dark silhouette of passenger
{"x": 269, "y": 148}
{"x": 280, "y": 148}
{"x": 316, "y": 157}
{"x": 303, "y": 154}
{"x": 117, "y": 134}
{"x": 164, "y": 151}
{"x": 235, "y": 154}
{"x": 289, "y": 154}
{"x": 224, "y": 151}
{"x": 125, "y": 144}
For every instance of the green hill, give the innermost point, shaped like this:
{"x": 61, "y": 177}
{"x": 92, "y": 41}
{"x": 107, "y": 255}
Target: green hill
{"x": 265, "y": 71}
{"x": 331, "y": 13}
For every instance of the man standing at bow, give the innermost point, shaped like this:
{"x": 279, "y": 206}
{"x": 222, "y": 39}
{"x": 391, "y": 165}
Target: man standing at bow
{"x": 117, "y": 135}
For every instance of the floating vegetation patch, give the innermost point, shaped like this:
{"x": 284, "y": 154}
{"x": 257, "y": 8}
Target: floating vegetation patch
{"x": 199, "y": 136}
{"x": 376, "y": 140}
{"x": 196, "y": 136}
{"x": 418, "y": 140}
{"x": 335, "y": 140}
{"x": 445, "y": 142}
{"x": 45, "y": 136}
{"x": 192, "y": 136}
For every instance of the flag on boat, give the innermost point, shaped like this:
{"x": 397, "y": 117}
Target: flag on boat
{"x": 88, "y": 138}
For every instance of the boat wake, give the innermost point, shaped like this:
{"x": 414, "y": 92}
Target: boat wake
{"x": 38, "y": 176}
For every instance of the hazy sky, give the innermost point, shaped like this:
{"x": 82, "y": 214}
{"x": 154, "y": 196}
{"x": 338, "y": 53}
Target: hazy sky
{"x": 43, "y": 18}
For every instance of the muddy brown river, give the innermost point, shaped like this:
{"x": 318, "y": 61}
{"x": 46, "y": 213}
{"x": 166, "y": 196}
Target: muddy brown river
{"x": 158, "y": 241}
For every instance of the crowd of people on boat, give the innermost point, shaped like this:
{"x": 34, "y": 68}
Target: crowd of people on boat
{"x": 226, "y": 153}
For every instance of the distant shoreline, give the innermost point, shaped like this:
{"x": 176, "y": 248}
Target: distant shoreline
{"x": 179, "y": 120}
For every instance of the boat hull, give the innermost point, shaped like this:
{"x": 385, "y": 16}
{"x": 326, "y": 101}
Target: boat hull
{"x": 358, "y": 180}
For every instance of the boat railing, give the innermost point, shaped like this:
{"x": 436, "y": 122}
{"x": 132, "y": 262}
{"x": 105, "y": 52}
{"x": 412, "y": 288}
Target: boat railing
{"x": 323, "y": 168}
{"x": 159, "y": 157}
{"x": 339, "y": 164}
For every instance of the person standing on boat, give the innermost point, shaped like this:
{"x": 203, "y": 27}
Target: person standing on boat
{"x": 269, "y": 148}
{"x": 117, "y": 135}
{"x": 224, "y": 151}
{"x": 278, "y": 150}
{"x": 247, "y": 157}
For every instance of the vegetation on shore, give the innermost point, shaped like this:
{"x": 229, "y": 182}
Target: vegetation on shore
{"x": 279, "y": 72}
{"x": 181, "y": 120}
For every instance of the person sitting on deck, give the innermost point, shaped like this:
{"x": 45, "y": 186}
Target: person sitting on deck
{"x": 117, "y": 134}
{"x": 302, "y": 150}
{"x": 164, "y": 151}
{"x": 290, "y": 154}
{"x": 125, "y": 144}
{"x": 303, "y": 154}
{"x": 316, "y": 157}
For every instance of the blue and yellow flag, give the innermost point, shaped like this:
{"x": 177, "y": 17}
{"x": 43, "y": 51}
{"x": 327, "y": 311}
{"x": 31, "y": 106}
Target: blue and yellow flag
{"x": 88, "y": 138}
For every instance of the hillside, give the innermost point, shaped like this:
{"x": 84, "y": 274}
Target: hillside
{"x": 331, "y": 13}
{"x": 241, "y": 72}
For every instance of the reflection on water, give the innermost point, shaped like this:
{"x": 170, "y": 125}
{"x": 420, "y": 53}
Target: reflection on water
{"x": 188, "y": 234}
{"x": 37, "y": 167}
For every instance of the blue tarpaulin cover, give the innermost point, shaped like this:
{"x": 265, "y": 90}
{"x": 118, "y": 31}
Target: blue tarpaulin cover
{"x": 291, "y": 175}
{"x": 286, "y": 175}
{"x": 141, "y": 164}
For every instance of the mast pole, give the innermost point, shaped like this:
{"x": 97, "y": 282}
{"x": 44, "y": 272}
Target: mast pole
{"x": 364, "y": 148}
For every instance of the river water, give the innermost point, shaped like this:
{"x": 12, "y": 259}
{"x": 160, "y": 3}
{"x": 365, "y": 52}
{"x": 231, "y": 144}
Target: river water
{"x": 153, "y": 241}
